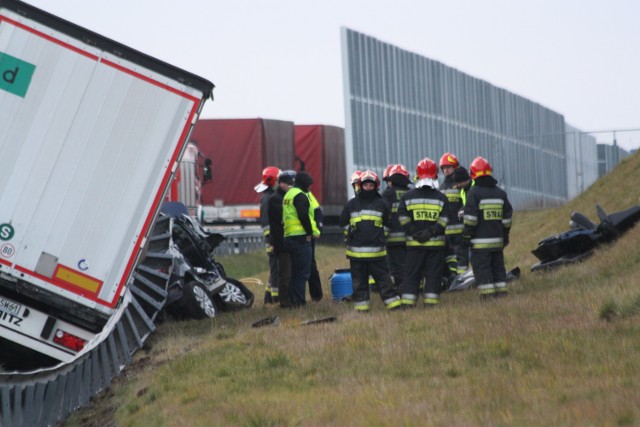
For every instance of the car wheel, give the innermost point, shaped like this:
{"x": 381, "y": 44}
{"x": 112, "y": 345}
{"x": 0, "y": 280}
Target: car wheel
{"x": 196, "y": 302}
{"x": 234, "y": 296}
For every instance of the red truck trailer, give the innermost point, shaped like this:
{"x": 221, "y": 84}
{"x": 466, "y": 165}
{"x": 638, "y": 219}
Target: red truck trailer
{"x": 239, "y": 149}
{"x": 321, "y": 149}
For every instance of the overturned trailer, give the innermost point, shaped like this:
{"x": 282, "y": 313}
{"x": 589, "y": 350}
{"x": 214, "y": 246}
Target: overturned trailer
{"x": 91, "y": 132}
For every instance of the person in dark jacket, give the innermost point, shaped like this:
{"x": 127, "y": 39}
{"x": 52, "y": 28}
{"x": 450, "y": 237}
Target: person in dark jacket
{"x": 315, "y": 283}
{"x": 397, "y": 185}
{"x": 423, "y": 212}
{"x": 266, "y": 188}
{"x": 276, "y": 237}
{"x": 365, "y": 220}
{"x": 448, "y": 164}
{"x": 461, "y": 182}
{"x": 298, "y": 232}
{"x": 487, "y": 223}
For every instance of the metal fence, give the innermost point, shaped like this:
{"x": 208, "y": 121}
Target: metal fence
{"x": 401, "y": 107}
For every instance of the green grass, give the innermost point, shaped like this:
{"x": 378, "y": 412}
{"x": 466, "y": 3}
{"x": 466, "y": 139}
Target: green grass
{"x": 562, "y": 349}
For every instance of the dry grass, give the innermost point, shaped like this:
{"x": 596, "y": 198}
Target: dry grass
{"x": 560, "y": 350}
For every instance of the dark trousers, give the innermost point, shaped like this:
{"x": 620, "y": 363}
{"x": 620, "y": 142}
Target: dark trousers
{"x": 315, "y": 285}
{"x": 428, "y": 263}
{"x": 397, "y": 257}
{"x": 461, "y": 251}
{"x": 488, "y": 267}
{"x": 284, "y": 276}
{"x": 379, "y": 270}
{"x": 300, "y": 250}
{"x": 273, "y": 270}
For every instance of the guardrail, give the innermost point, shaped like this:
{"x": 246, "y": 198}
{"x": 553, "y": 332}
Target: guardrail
{"x": 251, "y": 240}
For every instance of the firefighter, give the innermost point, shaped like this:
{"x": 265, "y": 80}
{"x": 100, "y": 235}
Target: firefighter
{"x": 487, "y": 222}
{"x": 286, "y": 180}
{"x": 385, "y": 174}
{"x": 398, "y": 184}
{"x": 266, "y": 188}
{"x": 462, "y": 182}
{"x": 448, "y": 163}
{"x": 298, "y": 232}
{"x": 355, "y": 181}
{"x": 423, "y": 212}
{"x": 366, "y": 220}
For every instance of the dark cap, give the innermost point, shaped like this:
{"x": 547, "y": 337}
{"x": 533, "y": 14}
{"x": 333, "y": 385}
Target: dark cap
{"x": 460, "y": 175}
{"x": 303, "y": 180}
{"x": 287, "y": 177}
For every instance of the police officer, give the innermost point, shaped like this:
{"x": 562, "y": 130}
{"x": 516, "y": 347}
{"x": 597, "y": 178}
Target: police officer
{"x": 315, "y": 284}
{"x": 423, "y": 212}
{"x": 365, "y": 220}
{"x": 397, "y": 185}
{"x": 266, "y": 190}
{"x": 298, "y": 232}
{"x": 276, "y": 236}
{"x": 487, "y": 223}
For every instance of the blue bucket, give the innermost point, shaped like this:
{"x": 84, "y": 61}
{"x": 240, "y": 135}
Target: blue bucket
{"x": 341, "y": 287}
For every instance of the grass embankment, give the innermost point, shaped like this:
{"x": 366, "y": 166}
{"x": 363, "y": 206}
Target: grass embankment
{"x": 562, "y": 349}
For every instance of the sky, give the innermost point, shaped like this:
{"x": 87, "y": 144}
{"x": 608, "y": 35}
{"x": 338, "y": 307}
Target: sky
{"x": 281, "y": 59}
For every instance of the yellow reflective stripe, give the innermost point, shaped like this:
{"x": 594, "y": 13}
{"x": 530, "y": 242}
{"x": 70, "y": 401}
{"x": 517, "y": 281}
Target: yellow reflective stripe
{"x": 395, "y": 303}
{"x": 355, "y": 254}
{"x": 424, "y": 202}
{"x": 487, "y": 246}
{"x": 431, "y": 299}
{"x": 428, "y": 243}
{"x": 486, "y": 289}
{"x": 361, "y": 306}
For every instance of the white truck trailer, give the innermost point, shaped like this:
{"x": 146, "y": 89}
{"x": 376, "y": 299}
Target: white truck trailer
{"x": 91, "y": 132}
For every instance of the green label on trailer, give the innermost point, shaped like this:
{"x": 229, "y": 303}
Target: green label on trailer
{"x": 15, "y": 74}
{"x": 6, "y": 231}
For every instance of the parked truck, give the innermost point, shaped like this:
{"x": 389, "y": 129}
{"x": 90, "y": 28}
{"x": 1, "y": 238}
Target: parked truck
{"x": 320, "y": 148}
{"x": 91, "y": 132}
{"x": 239, "y": 149}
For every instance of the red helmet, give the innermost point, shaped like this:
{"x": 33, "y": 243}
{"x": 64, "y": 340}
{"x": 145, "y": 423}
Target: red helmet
{"x": 370, "y": 175}
{"x": 427, "y": 169}
{"x": 399, "y": 170}
{"x": 449, "y": 159}
{"x": 269, "y": 178}
{"x": 387, "y": 172}
{"x": 355, "y": 177}
{"x": 270, "y": 175}
{"x": 480, "y": 167}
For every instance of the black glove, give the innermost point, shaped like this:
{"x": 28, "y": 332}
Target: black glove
{"x": 466, "y": 240}
{"x": 505, "y": 240}
{"x": 423, "y": 235}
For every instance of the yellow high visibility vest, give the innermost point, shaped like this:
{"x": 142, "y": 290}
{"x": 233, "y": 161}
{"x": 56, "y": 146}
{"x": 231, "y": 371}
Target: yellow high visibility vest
{"x": 292, "y": 224}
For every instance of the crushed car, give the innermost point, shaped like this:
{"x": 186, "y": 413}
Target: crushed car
{"x": 198, "y": 287}
{"x": 584, "y": 235}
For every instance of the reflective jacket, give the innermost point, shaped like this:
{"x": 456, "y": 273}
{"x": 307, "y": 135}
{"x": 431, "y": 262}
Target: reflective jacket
{"x": 297, "y": 214}
{"x": 366, "y": 220}
{"x": 454, "y": 195}
{"x": 424, "y": 209}
{"x": 487, "y": 215}
{"x": 392, "y": 196}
